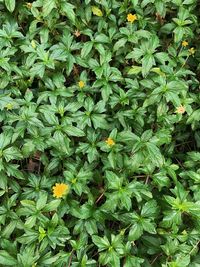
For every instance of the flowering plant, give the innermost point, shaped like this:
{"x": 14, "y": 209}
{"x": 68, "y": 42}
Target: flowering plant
{"x": 100, "y": 133}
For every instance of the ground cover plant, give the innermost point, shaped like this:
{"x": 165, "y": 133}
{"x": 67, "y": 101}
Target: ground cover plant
{"x": 100, "y": 133}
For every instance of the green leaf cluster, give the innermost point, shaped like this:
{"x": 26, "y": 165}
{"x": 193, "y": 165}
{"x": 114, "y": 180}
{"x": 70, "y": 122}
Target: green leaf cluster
{"x": 102, "y": 96}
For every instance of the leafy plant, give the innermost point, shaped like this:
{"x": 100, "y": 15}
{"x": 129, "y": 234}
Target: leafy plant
{"x": 100, "y": 133}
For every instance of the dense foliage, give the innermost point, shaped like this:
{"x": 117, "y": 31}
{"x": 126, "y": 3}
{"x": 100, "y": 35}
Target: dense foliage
{"x": 100, "y": 132}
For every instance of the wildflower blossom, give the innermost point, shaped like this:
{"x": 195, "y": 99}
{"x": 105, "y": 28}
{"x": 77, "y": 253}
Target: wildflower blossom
{"x": 81, "y": 84}
{"x": 180, "y": 110}
{"x": 110, "y": 141}
{"x": 184, "y": 43}
{"x": 131, "y": 17}
{"x": 191, "y": 51}
{"x": 77, "y": 33}
{"x": 59, "y": 190}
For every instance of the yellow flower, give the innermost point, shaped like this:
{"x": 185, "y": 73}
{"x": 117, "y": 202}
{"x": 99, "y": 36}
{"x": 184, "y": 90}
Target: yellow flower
{"x": 184, "y": 43}
{"x": 191, "y": 51}
{"x": 9, "y": 106}
{"x": 81, "y": 84}
{"x": 110, "y": 141}
{"x": 180, "y": 110}
{"x": 59, "y": 190}
{"x": 131, "y": 17}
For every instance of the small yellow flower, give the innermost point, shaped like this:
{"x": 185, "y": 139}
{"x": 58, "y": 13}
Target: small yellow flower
{"x": 9, "y": 106}
{"x": 192, "y": 51}
{"x": 180, "y": 110}
{"x": 184, "y": 43}
{"x": 59, "y": 190}
{"x": 110, "y": 141}
{"x": 131, "y": 17}
{"x": 81, "y": 84}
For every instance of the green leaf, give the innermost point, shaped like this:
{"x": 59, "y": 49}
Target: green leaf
{"x": 29, "y": 237}
{"x": 134, "y": 2}
{"x": 68, "y": 10}
{"x": 74, "y": 131}
{"x": 38, "y": 69}
{"x": 41, "y": 202}
{"x": 154, "y": 154}
{"x": 114, "y": 258}
{"x": 4, "y": 101}
{"x": 28, "y": 203}
{"x": 112, "y": 159}
{"x": 148, "y": 226}
{"x": 188, "y": 2}
{"x": 12, "y": 170}
{"x": 149, "y": 209}
{"x": 179, "y": 32}
{"x": 3, "y": 181}
{"x": 133, "y": 261}
{"x": 101, "y": 243}
{"x": 48, "y": 6}
{"x": 11, "y": 153}
{"x": 147, "y": 62}
{"x": 10, "y": 5}
{"x": 51, "y": 205}
{"x": 120, "y": 43}
{"x": 135, "y": 232}
{"x": 99, "y": 121}
{"x": 125, "y": 199}
{"x": 8, "y": 230}
{"x": 114, "y": 181}
{"x": 6, "y": 259}
{"x": 53, "y": 259}
{"x": 86, "y": 49}
{"x": 135, "y": 70}
{"x": 96, "y": 11}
